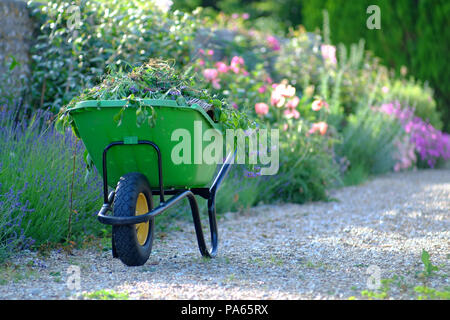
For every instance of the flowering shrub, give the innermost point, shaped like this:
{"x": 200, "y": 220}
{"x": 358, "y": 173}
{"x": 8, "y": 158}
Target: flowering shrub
{"x": 428, "y": 142}
{"x": 12, "y": 228}
{"x": 411, "y": 93}
{"x": 300, "y": 59}
{"x": 307, "y": 166}
{"x": 36, "y": 170}
{"x": 328, "y": 53}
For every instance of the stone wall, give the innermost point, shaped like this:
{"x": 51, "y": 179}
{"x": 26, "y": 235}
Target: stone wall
{"x": 16, "y": 29}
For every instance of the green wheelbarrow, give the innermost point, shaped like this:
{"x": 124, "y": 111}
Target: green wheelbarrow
{"x": 136, "y": 163}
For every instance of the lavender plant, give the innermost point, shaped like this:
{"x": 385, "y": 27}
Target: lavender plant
{"x": 36, "y": 173}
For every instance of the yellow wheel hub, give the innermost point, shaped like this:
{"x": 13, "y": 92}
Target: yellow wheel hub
{"x": 142, "y": 228}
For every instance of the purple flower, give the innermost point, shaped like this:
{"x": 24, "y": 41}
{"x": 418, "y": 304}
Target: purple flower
{"x": 430, "y": 143}
{"x": 133, "y": 90}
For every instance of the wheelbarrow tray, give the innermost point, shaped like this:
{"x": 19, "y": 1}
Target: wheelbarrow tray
{"x": 94, "y": 123}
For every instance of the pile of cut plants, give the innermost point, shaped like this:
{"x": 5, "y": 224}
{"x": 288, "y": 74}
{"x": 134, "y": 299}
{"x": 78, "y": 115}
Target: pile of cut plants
{"x": 158, "y": 79}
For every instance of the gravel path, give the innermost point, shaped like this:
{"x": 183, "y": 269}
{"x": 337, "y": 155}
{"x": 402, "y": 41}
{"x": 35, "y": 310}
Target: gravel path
{"x": 323, "y": 250}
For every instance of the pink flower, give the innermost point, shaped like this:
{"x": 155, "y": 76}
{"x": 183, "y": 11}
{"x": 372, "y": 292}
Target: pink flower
{"x": 235, "y": 64}
{"x": 273, "y": 43}
{"x": 234, "y": 105}
{"x": 201, "y": 62}
{"x": 237, "y": 60}
{"x": 221, "y": 67}
{"x": 328, "y": 53}
{"x": 318, "y": 104}
{"x": 235, "y": 68}
{"x": 262, "y": 89}
{"x": 201, "y": 51}
{"x": 285, "y": 89}
{"x": 210, "y": 74}
{"x": 293, "y": 103}
{"x": 210, "y": 52}
{"x": 216, "y": 83}
{"x": 245, "y": 16}
{"x": 261, "y": 108}
{"x": 234, "y": 16}
{"x": 269, "y": 80}
{"x": 385, "y": 89}
{"x": 319, "y": 126}
{"x": 291, "y": 113}
{"x": 276, "y": 99}
{"x": 245, "y": 72}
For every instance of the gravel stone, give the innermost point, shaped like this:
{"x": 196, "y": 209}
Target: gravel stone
{"x": 319, "y": 250}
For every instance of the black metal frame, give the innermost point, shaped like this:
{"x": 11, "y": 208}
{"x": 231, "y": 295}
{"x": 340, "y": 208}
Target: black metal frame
{"x": 178, "y": 195}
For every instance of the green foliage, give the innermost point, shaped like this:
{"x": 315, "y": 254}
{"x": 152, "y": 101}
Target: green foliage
{"x": 282, "y": 13}
{"x": 238, "y": 192}
{"x": 38, "y": 168}
{"x": 412, "y": 93}
{"x": 357, "y": 174}
{"x": 156, "y": 79}
{"x": 350, "y": 86}
{"x": 428, "y": 267}
{"x": 307, "y": 171}
{"x": 300, "y": 59}
{"x": 66, "y": 60}
{"x": 412, "y": 34}
{"x": 433, "y": 294}
{"x": 368, "y": 142}
{"x": 106, "y": 295}
{"x": 346, "y": 81}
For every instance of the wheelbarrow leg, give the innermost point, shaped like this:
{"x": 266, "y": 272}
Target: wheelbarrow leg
{"x": 211, "y": 212}
{"x": 199, "y": 232}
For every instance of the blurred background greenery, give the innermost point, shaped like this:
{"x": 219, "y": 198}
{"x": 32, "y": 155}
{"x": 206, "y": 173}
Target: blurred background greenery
{"x": 414, "y": 37}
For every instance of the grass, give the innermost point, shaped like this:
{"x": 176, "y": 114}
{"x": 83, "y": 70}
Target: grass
{"x": 106, "y": 295}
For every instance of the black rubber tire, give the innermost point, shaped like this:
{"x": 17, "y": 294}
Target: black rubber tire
{"x": 126, "y": 244}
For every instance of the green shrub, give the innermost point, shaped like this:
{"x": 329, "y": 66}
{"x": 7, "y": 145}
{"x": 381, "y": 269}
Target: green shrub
{"x": 299, "y": 59}
{"x": 419, "y": 97}
{"x": 307, "y": 171}
{"x": 368, "y": 142}
{"x": 124, "y": 33}
{"x": 238, "y": 192}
